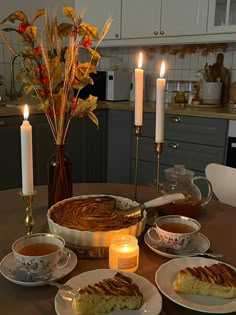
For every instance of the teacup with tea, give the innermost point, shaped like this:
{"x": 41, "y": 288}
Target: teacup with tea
{"x": 40, "y": 254}
{"x": 175, "y": 231}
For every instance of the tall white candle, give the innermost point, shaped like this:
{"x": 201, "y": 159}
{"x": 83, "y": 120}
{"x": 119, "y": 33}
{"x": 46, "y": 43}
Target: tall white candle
{"x": 138, "y": 120}
{"x": 160, "y": 105}
{"x": 26, "y": 155}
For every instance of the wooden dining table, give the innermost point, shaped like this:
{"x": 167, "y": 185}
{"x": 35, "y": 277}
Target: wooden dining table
{"x": 218, "y": 224}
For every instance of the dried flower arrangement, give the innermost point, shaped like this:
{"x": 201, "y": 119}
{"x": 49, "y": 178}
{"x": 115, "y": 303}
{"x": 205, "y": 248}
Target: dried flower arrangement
{"x": 51, "y": 70}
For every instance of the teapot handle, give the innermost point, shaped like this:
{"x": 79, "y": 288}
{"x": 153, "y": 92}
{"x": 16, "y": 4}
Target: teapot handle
{"x": 210, "y": 190}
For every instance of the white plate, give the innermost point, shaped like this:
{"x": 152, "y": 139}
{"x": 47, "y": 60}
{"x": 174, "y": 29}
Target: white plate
{"x": 8, "y": 266}
{"x": 152, "y": 298}
{"x": 198, "y": 246}
{"x": 166, "y": 275}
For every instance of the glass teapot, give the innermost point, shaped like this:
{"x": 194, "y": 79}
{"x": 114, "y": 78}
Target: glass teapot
{"x": 180, "y": 179}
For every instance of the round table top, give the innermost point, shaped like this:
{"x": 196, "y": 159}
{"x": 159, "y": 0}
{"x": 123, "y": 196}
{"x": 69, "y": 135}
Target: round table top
{"x": 217, "y": 221}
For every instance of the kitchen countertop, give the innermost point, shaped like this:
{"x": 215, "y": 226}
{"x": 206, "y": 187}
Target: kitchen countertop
{"x": 223, "y": 112}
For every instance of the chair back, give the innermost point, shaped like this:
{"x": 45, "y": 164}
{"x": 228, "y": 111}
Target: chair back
{"x": 223, "y": 180}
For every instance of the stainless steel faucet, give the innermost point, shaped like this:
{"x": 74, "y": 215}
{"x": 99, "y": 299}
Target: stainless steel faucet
{"x": 13, "y": 93}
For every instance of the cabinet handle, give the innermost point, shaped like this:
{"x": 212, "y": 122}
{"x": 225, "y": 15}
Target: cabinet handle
{"x": 173, "y": 145}
{"x": 175, "y": 119}
{"x": 2, "y": 123}
{"x": 116, "y": 35}
{"x": 162, "y": 32}
{"x": 155, "y": 33}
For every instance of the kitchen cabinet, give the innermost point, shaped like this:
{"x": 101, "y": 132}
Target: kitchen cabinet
{"x": 95, "y": 149}
{"x": 120, "y": 126}
{"x": 44, "y": 147}
{"x": 191, "y": 141}
{"x": 184, "y": 17}
{"x": 85, "y": 144}
{"x": 163, "y": 18}
{"x": 10, "y": 157}
{"x": 12, "y": 6}
{"x": 97, "y": 12}
{"x": 222, "y": 16}
{"x": 148, "y": 13}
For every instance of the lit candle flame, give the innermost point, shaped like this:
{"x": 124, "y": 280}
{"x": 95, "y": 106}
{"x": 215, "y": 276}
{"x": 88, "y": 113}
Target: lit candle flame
{"x": 140, "y": 60}
{"x": 162, "y": 71}
{"x": 26, "y": 112}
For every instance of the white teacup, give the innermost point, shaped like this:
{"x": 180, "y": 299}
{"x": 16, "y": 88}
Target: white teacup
{"x": 40, "y": 254}
{"x": 175, "y": 231}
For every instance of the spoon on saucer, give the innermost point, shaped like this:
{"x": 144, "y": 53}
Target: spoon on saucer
{"x": 26, "y": 276}
{"x": 191, "y": 251}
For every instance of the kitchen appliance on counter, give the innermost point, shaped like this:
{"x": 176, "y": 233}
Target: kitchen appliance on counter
{"x": 118, "y": 85}
{"x": 97, "y": 89}
{"x": 109, "y": 86}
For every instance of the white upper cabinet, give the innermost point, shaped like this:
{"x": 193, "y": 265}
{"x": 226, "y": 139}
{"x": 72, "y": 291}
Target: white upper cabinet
{"x": 140, "y": 18}
{"x": 184, "y": 17}
{"x": 222, "y": 16}
{"x": 98, "y": 11}
{"x": 159, "y": 18}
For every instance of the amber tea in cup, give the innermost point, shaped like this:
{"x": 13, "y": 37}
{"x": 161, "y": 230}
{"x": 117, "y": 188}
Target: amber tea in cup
{"x": 175, "y": 231}
{"x": 40, "y": 253}
{"x": 177, "y": 228}
{"x": 39, "y": 249}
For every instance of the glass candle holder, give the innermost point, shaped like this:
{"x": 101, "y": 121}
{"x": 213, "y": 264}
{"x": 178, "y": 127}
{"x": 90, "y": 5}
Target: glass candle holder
{"x": 124, "y": 253}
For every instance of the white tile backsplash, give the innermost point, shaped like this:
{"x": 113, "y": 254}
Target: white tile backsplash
{"x": 126, "y": 59}
{"x": 186, "y": 62}
{"x": 194, "y": 61}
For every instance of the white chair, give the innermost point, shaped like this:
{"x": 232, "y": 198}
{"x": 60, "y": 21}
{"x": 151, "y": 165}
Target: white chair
{"x": 223, "y": 180}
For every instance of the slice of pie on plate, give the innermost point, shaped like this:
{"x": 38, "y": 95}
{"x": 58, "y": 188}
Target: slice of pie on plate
{"x": 109, "y": 294}
{"x": 216, "y": 280}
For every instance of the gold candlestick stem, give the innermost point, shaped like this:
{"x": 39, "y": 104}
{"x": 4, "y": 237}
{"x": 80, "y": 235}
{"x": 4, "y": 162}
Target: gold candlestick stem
{"x": 29, "y": 219}
{"x": 159, "y": 149}
{"x": 138, "y": 133}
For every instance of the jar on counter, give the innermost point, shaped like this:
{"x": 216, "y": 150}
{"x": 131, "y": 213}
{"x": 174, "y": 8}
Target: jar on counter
{"x": 180, "y": 97}
{"x": 190, "y": 98}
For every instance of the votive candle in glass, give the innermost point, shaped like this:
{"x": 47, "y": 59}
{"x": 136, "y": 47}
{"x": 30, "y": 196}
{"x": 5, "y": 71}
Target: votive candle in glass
{"x": 124, "y": 253}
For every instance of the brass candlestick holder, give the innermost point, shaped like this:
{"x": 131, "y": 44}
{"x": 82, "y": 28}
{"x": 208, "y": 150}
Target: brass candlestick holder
{"x": 138, "y": 130}
{"x": 29, "y": 219}
{"x": 159, "y": 149}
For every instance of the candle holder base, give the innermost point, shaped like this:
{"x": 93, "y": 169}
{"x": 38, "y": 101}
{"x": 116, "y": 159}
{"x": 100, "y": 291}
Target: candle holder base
{"x": 138, "y": 130}
{"x": 29, "y": 219}
{"x": 159, "y": 149}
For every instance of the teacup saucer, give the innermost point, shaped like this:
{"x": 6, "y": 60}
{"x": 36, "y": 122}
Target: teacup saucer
{"x": 8, "y": 266}
{"x": 198, "y": 246}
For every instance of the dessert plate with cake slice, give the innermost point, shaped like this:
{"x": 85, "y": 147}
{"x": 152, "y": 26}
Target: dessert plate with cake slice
{"x": 196, "y": 283}
{"x": 143, "y": 297}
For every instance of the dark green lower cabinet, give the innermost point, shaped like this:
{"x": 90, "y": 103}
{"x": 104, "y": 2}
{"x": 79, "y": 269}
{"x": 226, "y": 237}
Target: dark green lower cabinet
{"x": 119, "y": 148}
{"x": 10, "y": 157}
{"x": 191, "y": 141}
{"x": 95, "y": 149}
{"x": 108, "y": 153}
{"x": 85, "y": 144}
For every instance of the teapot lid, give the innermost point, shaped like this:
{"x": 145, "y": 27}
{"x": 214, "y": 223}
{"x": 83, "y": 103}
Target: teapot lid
{"x": 178, "y": 172}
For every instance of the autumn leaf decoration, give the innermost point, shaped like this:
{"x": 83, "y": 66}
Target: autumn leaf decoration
{"x": 51, "y": 69}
